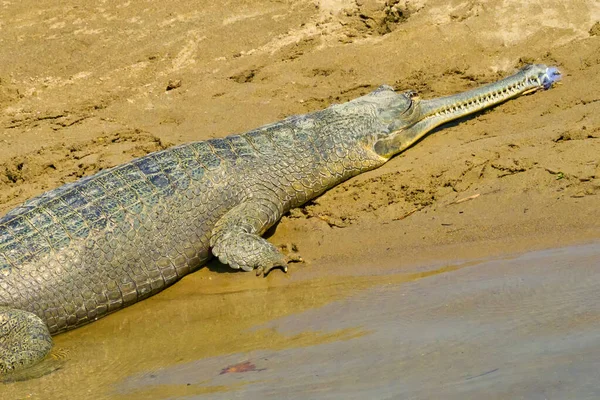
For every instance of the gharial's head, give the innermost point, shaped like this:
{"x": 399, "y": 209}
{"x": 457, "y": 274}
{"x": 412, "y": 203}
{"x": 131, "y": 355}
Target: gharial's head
{"x": 408, "y": 118}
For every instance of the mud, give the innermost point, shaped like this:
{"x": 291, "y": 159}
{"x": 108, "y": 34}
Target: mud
{"x": 88, "y": 85}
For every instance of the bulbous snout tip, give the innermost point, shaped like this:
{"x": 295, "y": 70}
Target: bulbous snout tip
{"x": 551, "y": 76}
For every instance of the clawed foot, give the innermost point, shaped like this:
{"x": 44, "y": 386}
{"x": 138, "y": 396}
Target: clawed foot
{"x": 292, "y": 256}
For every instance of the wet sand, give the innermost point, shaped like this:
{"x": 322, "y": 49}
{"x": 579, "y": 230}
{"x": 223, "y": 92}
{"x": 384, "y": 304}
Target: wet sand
{"x": 87, "y": 85}
{"x": 523, "y": 327}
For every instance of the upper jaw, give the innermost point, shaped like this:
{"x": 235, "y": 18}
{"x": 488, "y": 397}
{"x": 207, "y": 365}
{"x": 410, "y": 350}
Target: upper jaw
{"x": 426, "y": 115}
{"x": 529, "y": 79}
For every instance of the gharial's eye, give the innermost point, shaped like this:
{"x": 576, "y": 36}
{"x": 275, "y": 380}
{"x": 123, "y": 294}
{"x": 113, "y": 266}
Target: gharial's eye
{"x": 411, "y": 94}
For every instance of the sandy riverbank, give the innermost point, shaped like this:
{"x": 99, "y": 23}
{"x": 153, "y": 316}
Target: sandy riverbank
{"x": 83, "y": 87}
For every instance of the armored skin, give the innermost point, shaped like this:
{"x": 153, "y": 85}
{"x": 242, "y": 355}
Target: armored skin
{"x": 84, "y": 250}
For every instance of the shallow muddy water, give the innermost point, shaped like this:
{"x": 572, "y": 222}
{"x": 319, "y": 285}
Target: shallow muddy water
{"x": 527, "y": 327}
{"x": 520, "y": 327}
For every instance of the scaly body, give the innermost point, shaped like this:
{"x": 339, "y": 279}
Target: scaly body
{"x": 89, "y": 248}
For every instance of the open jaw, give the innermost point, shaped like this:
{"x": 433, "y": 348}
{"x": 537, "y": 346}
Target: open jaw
{"x": 435, "y": 112}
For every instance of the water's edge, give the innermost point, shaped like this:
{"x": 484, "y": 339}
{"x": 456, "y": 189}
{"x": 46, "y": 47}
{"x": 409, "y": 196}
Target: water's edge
{"x": 523, "y": 327}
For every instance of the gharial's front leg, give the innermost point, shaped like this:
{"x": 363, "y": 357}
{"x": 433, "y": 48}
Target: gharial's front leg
{"x": 236, "y": 237}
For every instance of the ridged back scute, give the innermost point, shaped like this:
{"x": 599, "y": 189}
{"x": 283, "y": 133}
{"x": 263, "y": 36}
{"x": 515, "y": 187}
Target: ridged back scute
{"x": 242, "y": 148}
{"x": 222, "y": 149}
{"x": 206, "y": 155}
{"x": 52, "y": 220}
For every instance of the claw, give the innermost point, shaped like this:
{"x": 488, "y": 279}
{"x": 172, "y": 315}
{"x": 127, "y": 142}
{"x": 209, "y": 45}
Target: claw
{"x": 265, "y": 271}
{"x": 295, "y": 258}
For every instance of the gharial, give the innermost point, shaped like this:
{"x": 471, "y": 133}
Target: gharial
{"x": 86, "y": 249}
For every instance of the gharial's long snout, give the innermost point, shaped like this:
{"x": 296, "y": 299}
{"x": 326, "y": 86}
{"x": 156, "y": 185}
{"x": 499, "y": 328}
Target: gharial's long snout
{"x": 435, "y": 112}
